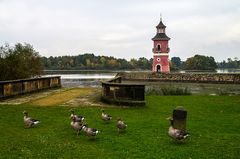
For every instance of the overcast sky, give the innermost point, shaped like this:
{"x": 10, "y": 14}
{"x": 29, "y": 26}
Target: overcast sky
{"x": 122, "y": 28}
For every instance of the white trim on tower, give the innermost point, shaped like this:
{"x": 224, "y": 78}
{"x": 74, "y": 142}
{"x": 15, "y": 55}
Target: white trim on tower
{"x": 160, "y": 54}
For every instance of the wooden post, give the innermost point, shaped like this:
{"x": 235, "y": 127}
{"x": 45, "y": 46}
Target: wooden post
{"x": 179, "y": 118}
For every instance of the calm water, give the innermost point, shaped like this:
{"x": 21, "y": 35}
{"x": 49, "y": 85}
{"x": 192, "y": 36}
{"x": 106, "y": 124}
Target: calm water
{"x": 83, "y": 79}
{"x": 228, "y": 70}
{"x": 85, "y": 76}
{"x": 76, "y": 78}
{"x": 218, "y": 71}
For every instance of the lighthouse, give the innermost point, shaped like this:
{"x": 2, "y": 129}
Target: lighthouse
{"x": 160, "y": 50}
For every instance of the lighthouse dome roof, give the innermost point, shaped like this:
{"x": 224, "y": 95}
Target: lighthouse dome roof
{"x": 160, "y": 36}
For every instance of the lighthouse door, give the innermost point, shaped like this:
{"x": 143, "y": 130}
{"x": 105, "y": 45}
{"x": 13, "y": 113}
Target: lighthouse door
{"x": 158, "y": 68}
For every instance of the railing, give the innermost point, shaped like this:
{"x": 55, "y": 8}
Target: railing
{"x": 159, "y": 51}
{"x": 17, "y": 87}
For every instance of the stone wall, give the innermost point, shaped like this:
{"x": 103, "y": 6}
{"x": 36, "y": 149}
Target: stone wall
{"x": 17, "y": 87}
{"x": 183, "y": 77}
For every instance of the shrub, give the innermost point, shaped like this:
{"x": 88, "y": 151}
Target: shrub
{"x": 167, "y": 90}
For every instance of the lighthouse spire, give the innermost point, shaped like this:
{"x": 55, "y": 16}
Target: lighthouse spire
{"x": 160, "y": 16}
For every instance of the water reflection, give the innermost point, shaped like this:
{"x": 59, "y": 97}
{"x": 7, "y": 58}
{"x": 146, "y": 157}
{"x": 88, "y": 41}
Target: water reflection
{"x": 228, "y": 70}
{"x": 86, "y": 76}
{"x": 217, "y": 71}
{"x": 83, "y": 80}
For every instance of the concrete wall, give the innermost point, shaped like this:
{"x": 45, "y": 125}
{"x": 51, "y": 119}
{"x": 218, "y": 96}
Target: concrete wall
{"x": 183, "y": 77}
{"x": 113, "y": 91}
{"x": 16, "y": 87}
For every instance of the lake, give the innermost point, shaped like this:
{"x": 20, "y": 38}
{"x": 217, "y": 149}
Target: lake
{"x": 86, "y": 78}
{"x": 228, "y": 70}
{"x": 217, "y": 71}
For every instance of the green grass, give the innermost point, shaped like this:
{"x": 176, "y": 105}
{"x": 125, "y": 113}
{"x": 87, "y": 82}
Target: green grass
{"x": 213, "y": 122}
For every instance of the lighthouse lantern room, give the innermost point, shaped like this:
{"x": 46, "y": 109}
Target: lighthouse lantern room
{"x": 160, "y": 50}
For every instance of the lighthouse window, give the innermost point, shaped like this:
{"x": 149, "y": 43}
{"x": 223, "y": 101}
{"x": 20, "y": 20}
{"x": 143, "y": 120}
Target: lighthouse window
{"x": 160, "y": 30}
{"x": 158, "y": 59}
{"x": 158, "y": 47}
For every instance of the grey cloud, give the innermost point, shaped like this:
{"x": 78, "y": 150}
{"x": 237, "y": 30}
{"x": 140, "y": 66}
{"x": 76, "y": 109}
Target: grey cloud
{"x": 122, "y": 28}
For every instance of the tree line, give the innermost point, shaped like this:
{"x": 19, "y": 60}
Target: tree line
{"x": 92, "y": 62}
{"x": 197, "y": 62}
{"x": 200, "y": 62}
{"x": 230, "y": 63}
{"x": 22, "y": 61}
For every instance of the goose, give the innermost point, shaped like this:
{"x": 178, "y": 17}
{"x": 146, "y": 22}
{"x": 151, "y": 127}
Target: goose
{"x": 176, "y": 134}
{"x": 90, "y": 132}
{"x": 76, "y": 125}
{"x": 105, "y": 117}
{"x": 77, "y": 117}
{"x": 121, "y": 125}
{"x": 28, "y": 121}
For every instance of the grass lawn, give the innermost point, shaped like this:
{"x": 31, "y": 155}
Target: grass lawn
{"x": 213, "y": 122}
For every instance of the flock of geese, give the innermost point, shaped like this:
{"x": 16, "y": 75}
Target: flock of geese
{"x": 77, "y": 123}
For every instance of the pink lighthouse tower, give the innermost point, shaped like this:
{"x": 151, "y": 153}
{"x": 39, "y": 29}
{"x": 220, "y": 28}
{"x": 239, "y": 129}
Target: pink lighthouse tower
{"x": 160, "y": 50}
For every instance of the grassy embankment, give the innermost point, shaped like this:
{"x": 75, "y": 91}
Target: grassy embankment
{"x": 213, "y": 122}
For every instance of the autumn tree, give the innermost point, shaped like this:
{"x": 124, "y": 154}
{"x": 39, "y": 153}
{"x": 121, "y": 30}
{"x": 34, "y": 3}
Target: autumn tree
{"x": 18, "y": 62}
{"x": 175, "y": 63}
{"x": 200, "y": 62}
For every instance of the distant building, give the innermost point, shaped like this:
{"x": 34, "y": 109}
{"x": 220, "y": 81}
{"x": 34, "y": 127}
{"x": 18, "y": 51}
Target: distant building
{"x": 160, "y": 50}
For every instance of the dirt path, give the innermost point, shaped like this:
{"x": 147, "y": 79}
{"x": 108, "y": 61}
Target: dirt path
{"x": 61, "y": 97}
{"x": 30, "y": 97}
